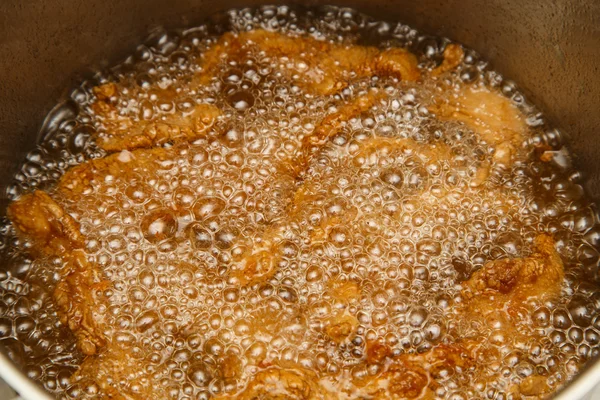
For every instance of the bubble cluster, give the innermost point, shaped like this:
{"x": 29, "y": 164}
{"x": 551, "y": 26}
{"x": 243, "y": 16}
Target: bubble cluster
{"x": 369, "y": 244}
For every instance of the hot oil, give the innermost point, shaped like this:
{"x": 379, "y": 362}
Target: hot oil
{"x": 378, "y": 236}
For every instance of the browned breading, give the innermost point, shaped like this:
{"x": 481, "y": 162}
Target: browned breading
{"x": 453, "y": 56}
{"x": 513, "y": 281}
{"x": 411, "y": 376}
{"x": 332, "y": 123}
{"x": 54, "y": 232}
{"x": 118, "y": 132}
{"x": 493, "y": 117}
{"x": 341, "y": 326}
{"x": 318, "y": 66}
{"x": 124, "y": 166}
{"x": 40, "y": 218}
{"x": 277, "y": 383}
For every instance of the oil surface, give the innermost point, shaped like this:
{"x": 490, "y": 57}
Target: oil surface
{"x": 377, "y": 236}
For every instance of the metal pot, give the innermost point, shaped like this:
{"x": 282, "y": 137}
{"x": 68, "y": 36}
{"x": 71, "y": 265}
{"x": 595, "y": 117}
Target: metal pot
{"x": 550, "y": 48}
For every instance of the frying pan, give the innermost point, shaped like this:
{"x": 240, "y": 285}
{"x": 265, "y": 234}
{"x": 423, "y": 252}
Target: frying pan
{"x": 550, "y": 48}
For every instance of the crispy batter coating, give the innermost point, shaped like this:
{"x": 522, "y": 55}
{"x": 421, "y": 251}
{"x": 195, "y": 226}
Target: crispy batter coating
{"x": 259, "y": 262}
{"x": 341, "y": 327}
{"x": 396, "y": 62}
{"x": 125, "y": 166}
{"x": 317, "y": 66}
{"x": 54, "y": 232}
{"x": 112, "y": 371}
{"x": 75, "y": 297}
{"x": 332, "y": 123}
{"x": 453, "y": 56}
{"x": 40, "y": 218}
{"x": 493, "y": 117}
{"x": 427, "y": 152}
{"x": 514, "y": 281}
{"x": 277, "y": 383}
{"x": 410, "y": 376}
{"x": 118, "y": 132}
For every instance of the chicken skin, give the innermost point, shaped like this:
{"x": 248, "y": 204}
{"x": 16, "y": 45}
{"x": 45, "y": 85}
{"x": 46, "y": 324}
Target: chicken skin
{"x": 281, "y": 384}
{"x": 511, "y": 282}
{"x": 121, "y": 132}
{"x": 55, "y": 233}
{"x": 318, "y": 66}
{"x": 494, "y": 118}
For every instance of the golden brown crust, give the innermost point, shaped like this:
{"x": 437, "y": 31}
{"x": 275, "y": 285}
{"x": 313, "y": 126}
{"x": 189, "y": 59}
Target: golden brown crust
{"x": 75, "y": 297}
{"x": 277, "y": 383}
{"x": 322, "y": 68}
{"x": 493, "y": 117}
{"x": 518, "y": 279}
{"x": 410, "y": 376}
{"x": 341, "y": 327}
{"x": 118, "y": 132}
{"x": 55, "y": 233}
{"x": 399, "y": 63}
{"x": 318, "y": 66}
{"x": 332, "y": 123}
{"x": 38, "y": 217}
{"x": 453, "y": 56}
{"x": 125, "y": 166}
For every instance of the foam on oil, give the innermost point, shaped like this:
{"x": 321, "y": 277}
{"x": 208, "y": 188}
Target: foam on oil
{"x": 371, "y": 224}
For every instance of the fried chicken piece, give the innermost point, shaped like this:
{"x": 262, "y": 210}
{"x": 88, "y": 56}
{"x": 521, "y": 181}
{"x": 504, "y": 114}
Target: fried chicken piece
{"x": 55, "y": 233}
{"x": 76, "y": 299}
{"x": 259, "y": 262}
{"x": 493, "y": 117}
{"x": 118, "y": 132}
{"x": 341, "y": 327}
{"x": 125, "y": 166}
{"x": 317, "y": 66}
{"x": 514, "y": 281}
{"x": 496, "y": 294}
{"x": 407, "y": 376}
{"x": 332, "y": 123}
{"x": 119, "y": 375}
{"x": 343, "y": 291}
{"x": 396, "y": 62}
{"x": 453, "y": 56}
{"x": 428, "y": 153}
{"x": 277, "y": 383}
{"x": 38, "y": 217}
